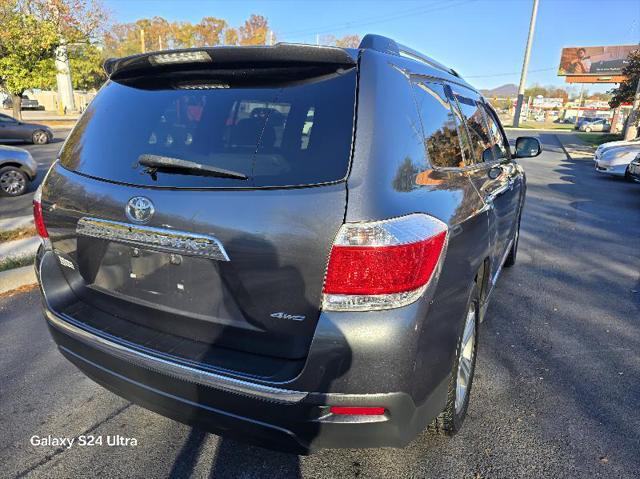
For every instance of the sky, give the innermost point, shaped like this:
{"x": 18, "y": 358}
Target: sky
{"x": 484, "y": 40}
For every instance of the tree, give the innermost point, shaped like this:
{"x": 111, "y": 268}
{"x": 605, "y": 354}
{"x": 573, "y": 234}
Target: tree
{"x": 231, "y": 36}
{"x": 348, "y": 41}
{"x": 86, "y": 65}
{"x": 254, "y": 31}
{"x": 625, "y": 92}
{"x": 209, "y": 32}
{"x": 34, "y": 32}
{"x": 26, "y": 60}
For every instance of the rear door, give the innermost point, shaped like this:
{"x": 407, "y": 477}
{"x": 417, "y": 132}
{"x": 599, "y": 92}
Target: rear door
{"x": 233, "y": 262}
{"x": 494, "y": 173}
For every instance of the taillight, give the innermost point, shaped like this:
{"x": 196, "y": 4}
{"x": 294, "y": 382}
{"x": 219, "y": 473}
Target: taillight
{"x": 37, "y": 215}
{"x": 383, "y": 264}
{"x": 357, "y": 411}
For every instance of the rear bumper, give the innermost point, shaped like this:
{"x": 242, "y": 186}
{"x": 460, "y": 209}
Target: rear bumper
{"x": 277, "y": 416}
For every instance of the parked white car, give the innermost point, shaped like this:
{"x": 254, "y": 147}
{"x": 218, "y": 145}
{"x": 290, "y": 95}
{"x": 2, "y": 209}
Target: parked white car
{"x": 614, "y": 161}
{"x": 614, "y": 144}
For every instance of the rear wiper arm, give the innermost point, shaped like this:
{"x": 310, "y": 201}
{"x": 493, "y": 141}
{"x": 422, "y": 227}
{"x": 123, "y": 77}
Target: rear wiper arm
{"x": 166, "y": 163}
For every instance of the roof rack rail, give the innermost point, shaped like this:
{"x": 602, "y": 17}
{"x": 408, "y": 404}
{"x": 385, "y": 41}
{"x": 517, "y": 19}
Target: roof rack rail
{"x": 383, "y": 44}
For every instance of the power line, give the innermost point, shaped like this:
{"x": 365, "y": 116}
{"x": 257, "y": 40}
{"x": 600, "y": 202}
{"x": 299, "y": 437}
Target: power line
{"x": 510, "y": 73}
{"x": 382, "y": 20}
{"x": 343, "y": 25}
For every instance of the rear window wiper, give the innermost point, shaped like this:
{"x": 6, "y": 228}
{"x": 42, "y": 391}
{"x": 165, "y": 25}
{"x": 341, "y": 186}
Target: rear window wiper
{"x": 166, "y": 163}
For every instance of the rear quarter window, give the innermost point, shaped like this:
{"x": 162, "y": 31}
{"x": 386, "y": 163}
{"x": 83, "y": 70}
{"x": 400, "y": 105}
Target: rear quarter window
{"x": 439, "y": 127}
{"x": 286, "y": 135}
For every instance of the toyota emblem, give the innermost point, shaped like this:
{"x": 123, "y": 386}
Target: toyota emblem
{"x": 139, "y": 209}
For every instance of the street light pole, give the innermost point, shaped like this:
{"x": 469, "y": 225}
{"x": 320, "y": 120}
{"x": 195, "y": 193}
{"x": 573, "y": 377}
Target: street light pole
{"x": 525, "y": 64}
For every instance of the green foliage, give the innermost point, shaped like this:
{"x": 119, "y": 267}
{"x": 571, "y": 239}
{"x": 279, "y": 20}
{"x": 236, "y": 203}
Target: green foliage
{"x": 625, "y": 92}
{"x": 126, "y": 38}
{"x": 86, "y": 67}
{"x": 27, "y": 46}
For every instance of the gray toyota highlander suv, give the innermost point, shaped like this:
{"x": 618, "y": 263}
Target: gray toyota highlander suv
{"x": 291, "y": 245}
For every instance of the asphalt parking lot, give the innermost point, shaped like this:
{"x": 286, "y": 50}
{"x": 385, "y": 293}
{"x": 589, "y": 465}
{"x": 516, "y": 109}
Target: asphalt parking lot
{"x": 556, "y": 392}
{"x": 44, "y": 156}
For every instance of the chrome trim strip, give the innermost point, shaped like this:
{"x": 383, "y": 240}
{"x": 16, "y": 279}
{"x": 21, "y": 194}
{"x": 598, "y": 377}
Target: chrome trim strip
{"x": 178, "y": 371}
{"x": 161, "y": 239}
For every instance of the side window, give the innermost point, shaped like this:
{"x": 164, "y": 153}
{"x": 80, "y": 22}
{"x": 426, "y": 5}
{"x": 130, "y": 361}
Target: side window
{"x": 500, "y": 144}
{"x": 475, "y": 121}
{"x": 439, "y": 127}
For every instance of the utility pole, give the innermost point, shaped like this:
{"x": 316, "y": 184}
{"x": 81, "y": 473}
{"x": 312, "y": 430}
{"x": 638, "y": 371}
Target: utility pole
{"x": 66, "y": 101}
{"x": 142, "y": 46}
{"x": 632, "y": 129}
{"x": 159, "y": 42}
{"x": 317, "y": 39}
{"x": 525, "y": 64}
{"x": 270, "y": 37}
{"x": 580, "y": 98}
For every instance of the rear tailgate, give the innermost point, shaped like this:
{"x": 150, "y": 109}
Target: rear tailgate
{"x": 230, "y": 262}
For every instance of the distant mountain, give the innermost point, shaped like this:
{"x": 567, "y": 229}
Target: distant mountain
{"x": 507, "y": 90}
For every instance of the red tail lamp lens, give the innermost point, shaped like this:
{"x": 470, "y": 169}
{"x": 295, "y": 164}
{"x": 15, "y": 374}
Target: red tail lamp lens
{"x": 357, "y": 411}
{"x": 383, "y": 269}
{"x": 38, "y": 220}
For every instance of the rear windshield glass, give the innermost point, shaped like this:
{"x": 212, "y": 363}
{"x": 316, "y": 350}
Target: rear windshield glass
{"x": 274, "y": 135}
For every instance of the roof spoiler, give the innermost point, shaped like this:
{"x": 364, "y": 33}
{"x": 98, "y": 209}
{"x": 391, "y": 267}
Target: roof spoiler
{"x": 281, "y": 55}
{"x": 390, "y": 46}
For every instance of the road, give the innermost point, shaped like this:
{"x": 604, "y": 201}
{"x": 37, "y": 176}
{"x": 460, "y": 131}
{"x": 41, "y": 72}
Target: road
{"x": 556, "y": 392}
{"x": 44, "y": 156}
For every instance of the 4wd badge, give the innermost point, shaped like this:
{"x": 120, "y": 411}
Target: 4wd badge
{"x": 292, "y": 317}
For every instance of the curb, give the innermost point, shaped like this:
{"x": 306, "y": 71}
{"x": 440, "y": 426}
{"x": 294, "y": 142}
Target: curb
{"x": 20, "y": 247}
{"x": 10, "y": 224}
{"x": 586, "y": 153}
{"x": 16, "y": 278}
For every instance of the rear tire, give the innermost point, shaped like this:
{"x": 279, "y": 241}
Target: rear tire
{"x": 627, "y": 175}
{"x": 450, "y": 420}
{"x": 40, "y": 137}
{"x": 13, "y": 181}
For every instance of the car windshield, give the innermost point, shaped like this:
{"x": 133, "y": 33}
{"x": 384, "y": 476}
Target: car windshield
{"x": 289, "y": 135}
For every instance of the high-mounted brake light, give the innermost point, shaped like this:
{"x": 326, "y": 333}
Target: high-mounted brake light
{"x": 180, "y": 57}
{"x": 41, "y": 229}
{"x": 383, "y": 264}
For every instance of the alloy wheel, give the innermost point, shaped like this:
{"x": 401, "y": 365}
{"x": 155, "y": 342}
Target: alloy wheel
{"x": 465, "y": 362}
{"x": 40, "y": 137}
{"x": 12, "y": 182}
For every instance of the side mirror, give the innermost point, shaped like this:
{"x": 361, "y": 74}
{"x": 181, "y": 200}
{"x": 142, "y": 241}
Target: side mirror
{"x": 527, "y": 147}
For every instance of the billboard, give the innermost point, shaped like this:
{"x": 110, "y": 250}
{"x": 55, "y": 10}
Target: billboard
{"x": 599, "y": 61}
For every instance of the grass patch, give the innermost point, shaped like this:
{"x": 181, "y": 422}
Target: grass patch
{"x": 20, "y": 233}
{"x": 596, "y": 139}
{"x": 17, "y": 262}
{"x": 22, "y": 289}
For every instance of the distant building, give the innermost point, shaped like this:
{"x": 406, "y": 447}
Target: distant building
{"x": 547, "y": 103}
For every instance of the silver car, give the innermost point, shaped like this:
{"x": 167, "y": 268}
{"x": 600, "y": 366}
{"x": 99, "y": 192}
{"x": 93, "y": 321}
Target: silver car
{"x": 596, "y": 125}
{"x": 17, "y": 169}
{"x": 614, "y": 161}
